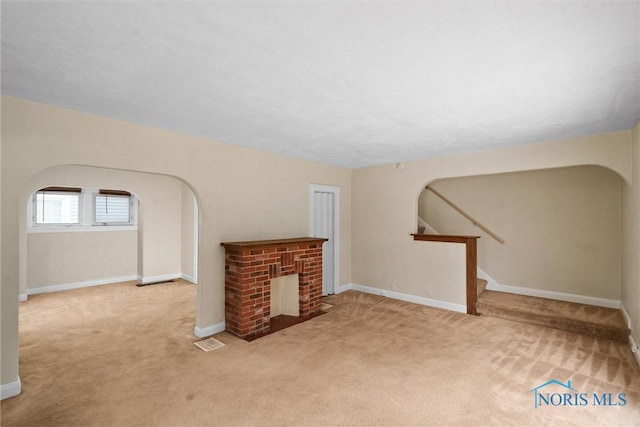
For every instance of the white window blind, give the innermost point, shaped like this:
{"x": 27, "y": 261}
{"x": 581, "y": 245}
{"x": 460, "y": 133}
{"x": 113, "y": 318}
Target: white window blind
{"x": 112, "y": 208}
{"x": 57, "y": 205}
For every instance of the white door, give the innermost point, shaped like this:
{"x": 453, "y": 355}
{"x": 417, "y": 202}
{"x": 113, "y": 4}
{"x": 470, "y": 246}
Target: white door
{"x": 324, "y": 213}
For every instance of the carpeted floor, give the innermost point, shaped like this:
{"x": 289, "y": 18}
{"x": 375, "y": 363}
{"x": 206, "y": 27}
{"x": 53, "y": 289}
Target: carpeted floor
{"x": 567, "y": 316}
{"x": 119, "y": 355}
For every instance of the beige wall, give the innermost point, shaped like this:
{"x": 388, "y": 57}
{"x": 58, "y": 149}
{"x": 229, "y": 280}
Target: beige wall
{"x": 8, "y": 310}
{"x": 67, "y": 258}
{"x": 242, "y": 193}
{"x": 631, "y": 239}
{"x": 187, "y": 233}
{"x": 162, "y": 230}
{"x": 561, "y": 227}
{"x": 385, "y": 206}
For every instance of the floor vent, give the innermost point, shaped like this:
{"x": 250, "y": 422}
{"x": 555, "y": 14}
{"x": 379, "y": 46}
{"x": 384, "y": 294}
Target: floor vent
{"x": 209, "y": 344}
{"x": 155, "y": 283}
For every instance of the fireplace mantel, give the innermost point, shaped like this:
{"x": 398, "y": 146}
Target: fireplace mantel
{"x": 249, "y": 268}
{"x": 264, "y": 244}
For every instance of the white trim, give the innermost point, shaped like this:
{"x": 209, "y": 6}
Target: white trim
{"x": 77, "y": 285}
{"x": 10, "y": 389}
{"x": 188, "y": 278}
{"x": 410, "y": 298}
{"x": 626, "y": 316}
{"x": 41, "y": 229}
{"x": 561, "y": 296}
{"x": 132, "y": 213}
{"x": 492, "y": 284}
{"x": 209, "y": 330}
{"x": 634, "y": 349}
{"x": 159, "y": 278}
{"x": 427, "y": 227}
{"x": 632, "y": 342}
{"x": 343, "y": 288}
{"x": 86, "y": 212}
{"x": 23, "y": 297}
{"x": 31, "y": 216}
{"x": 196, "y": 231}
{"x": 313, "y": 188}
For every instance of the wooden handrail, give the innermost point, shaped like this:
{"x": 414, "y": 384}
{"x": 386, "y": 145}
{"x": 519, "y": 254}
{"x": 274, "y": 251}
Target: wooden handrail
{"x": 466, "y": 215}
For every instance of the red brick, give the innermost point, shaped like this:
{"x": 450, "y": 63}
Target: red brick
{"x": 247, "y": 287}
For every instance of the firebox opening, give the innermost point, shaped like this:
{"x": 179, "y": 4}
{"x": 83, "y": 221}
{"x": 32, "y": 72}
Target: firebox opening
{"x": 285, "y": 296}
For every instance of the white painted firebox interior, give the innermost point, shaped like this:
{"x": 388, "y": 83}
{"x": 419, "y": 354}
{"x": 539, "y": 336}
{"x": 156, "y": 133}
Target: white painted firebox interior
{"x": 285, "y": 296}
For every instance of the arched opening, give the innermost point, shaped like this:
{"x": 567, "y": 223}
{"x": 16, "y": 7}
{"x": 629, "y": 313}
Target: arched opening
{"x": 168, "y": 222}
{"x": 560, "y": 226}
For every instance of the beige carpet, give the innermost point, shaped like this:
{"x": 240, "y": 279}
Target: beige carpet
{"x": 567, "y": 316}
{"x": 120, "y": 355}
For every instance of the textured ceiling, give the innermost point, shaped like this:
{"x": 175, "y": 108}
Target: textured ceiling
{"x": 345, "y": 83}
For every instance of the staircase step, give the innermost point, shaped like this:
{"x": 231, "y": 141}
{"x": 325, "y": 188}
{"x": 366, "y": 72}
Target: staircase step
{"x": 482, "y": 285}
{"x": 584, "y": 319}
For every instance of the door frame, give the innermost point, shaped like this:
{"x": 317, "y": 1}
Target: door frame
{"x": 313, "y": 188}
{"x": 196, "y": 234}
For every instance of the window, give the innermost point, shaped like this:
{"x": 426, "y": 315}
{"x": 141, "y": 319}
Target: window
{"x": 71, "y": 209}
{"x": 112, "y": 207}
{"x": 57, "y": 206}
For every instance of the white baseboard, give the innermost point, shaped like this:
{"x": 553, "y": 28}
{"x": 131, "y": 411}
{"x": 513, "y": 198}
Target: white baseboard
{"x": 99, "y": 282}
{"x": 23, "y": 297}
{"x": 342, "y": 288}
{"x": 632, "y": 342}
{"x": 492, "y": 283}
{"x": 410, "y": 298}
{"x": 78, "y": 285}
{"x": 159, "y": 278}
{"x": 189, "y": 278}
{"x": 10, "y": 389}
{"x": 209, "y": 330}
{"x": 634, "y": 348}
{"x": 561, "y": 296}
{"x": 626, "y": 316}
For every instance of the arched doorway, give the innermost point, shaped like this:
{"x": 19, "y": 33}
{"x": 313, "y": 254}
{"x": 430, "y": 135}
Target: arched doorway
{"x": 560, "y": 226}
{"x": 159, "y": 233}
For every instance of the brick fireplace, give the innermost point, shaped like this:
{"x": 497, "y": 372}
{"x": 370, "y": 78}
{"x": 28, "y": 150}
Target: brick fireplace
{"x": 249, "y": 269}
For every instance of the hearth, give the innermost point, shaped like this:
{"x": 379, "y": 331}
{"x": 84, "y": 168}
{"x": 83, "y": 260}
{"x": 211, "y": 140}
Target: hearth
{"x": 250, "y": 268}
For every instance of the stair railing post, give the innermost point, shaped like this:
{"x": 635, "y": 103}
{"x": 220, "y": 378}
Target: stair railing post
{"x": 472, "y": 275}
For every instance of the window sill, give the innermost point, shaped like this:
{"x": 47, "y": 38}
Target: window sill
{"x": 81, "y": 229}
